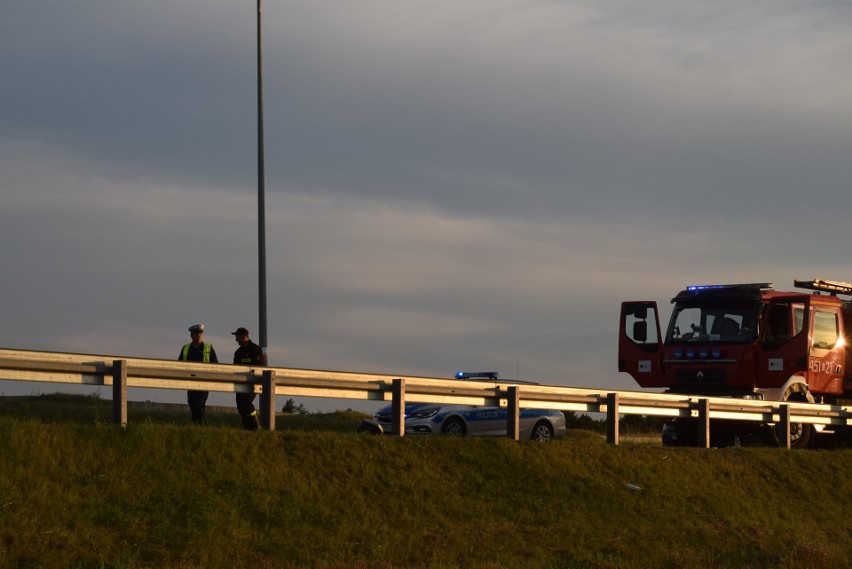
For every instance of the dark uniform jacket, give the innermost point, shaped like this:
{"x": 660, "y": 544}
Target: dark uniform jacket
{"x": 249, "y": 354}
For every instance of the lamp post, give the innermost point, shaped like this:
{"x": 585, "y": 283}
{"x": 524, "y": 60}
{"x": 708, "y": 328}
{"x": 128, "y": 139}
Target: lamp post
{"x": 261, "y": 191}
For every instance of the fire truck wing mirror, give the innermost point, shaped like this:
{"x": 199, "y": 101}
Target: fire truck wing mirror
{"x": 640, "y": 311}
{"x": 640, "y": 331}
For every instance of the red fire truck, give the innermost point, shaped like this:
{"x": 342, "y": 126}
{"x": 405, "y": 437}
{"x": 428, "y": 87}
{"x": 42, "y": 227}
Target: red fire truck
{"x": 743, "y": 340}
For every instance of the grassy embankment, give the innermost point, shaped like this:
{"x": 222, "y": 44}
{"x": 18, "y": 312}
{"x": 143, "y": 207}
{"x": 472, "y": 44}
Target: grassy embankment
{"x": 76, "y": 491}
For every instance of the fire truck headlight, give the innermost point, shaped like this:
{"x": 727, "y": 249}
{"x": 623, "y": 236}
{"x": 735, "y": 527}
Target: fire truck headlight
{"x": 678, "y": 354}
{"x": 690, "y": 353}
{"x": 717, "y": 353}
{"x": 703, "y": 353}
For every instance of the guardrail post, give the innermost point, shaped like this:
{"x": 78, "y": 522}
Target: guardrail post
{"x": 784, "y": 423}
{"x": 398, "y": 408}
{"x": 612, "y": 418}
{"x": 119, "y": 392}
{"x": 513, "y": 413}
{"x": 704, "y": 423}
{"x": 267, "y": 401}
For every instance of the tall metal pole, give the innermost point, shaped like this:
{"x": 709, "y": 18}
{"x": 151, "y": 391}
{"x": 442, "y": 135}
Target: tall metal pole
{"x": 261, "y": 190}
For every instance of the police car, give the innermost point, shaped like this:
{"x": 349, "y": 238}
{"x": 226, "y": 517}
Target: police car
{"x": 474, "y": 420}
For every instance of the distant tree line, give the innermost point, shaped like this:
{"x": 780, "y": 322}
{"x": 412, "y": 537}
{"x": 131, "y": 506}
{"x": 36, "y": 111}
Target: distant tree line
{"x": 291, "y": 407}
{"x": 627, "y": 423}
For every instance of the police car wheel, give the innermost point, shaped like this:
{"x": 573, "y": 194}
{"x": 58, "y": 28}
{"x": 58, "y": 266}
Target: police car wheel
{"x": 453, "y": 427}
{"x": 542, "y": 431}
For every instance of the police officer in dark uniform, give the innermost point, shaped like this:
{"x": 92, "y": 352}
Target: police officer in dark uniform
{"x": 248, "y": 354}
{"x": 197, "y": 351}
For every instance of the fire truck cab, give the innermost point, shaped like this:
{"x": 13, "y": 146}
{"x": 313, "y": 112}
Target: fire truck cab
{"x": 743, "y": 340}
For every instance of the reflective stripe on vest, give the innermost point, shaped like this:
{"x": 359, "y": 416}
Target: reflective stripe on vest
{"x": 206, "y": 347}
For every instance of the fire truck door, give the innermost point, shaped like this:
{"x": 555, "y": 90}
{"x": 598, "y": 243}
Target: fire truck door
{"x": 639, "y": 343}
{"x": 784, "y": 341}
{"x": 825, "y": 360}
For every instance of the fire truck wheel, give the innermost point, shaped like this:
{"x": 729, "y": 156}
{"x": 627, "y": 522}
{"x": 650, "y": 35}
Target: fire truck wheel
{"x": 680, "y": 433}
{"x": 800, "y": 433}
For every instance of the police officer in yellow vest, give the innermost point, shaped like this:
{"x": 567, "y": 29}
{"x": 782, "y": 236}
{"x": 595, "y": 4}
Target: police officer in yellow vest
{"x": 197, "y": 351}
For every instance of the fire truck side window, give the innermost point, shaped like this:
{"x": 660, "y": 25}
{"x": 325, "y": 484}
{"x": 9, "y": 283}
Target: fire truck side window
{"x": 640, "y": 325}
{"x": 825, "y": 330}
{"x": 799, "y": 312}
{"x": 778, "y": 325}
{"x": 782, "y": 324}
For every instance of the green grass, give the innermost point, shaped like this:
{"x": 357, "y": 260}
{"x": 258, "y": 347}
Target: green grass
{"x": 76, "y": 491}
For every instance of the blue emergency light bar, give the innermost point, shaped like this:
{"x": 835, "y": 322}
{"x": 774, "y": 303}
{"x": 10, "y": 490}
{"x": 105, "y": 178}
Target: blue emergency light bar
{"x": 696, "y": 288}
{"x": 477, "y": 375}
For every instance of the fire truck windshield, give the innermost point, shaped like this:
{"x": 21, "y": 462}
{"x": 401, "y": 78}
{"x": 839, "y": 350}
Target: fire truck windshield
{"x": 728, "y": 322}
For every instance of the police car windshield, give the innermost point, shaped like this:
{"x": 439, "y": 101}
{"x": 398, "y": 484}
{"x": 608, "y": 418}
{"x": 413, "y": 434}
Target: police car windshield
{"x": 730, "y": 322}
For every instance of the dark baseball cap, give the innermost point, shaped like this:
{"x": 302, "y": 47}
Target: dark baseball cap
{"x": 240, "y": 332}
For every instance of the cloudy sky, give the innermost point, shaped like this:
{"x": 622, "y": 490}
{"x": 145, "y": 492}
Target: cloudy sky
{"x": 450, "y": 185}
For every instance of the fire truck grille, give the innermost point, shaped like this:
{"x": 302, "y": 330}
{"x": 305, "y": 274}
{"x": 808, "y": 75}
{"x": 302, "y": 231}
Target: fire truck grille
{"x": 701, "y": 377}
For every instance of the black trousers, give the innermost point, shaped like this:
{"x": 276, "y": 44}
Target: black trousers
{"x": 245, "y": 406}
{"x": 245, "y": 403}
{"x": 197, "y": 401}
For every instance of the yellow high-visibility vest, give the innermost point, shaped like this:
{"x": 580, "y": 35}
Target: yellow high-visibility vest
{"x": 205, "y": 346}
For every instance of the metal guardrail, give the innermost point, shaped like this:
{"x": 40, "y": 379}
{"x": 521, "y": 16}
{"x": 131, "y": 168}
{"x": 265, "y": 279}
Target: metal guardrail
{"x": 122, "y": 373}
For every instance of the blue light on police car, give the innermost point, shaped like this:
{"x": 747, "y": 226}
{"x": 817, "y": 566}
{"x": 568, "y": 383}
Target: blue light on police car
{"x": 477, "y": 375}
{"x": 690, "y": 353}
{"x": 678, "y": 353}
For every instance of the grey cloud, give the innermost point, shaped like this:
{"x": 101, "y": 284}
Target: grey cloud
{"x": 635, "y": 122}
